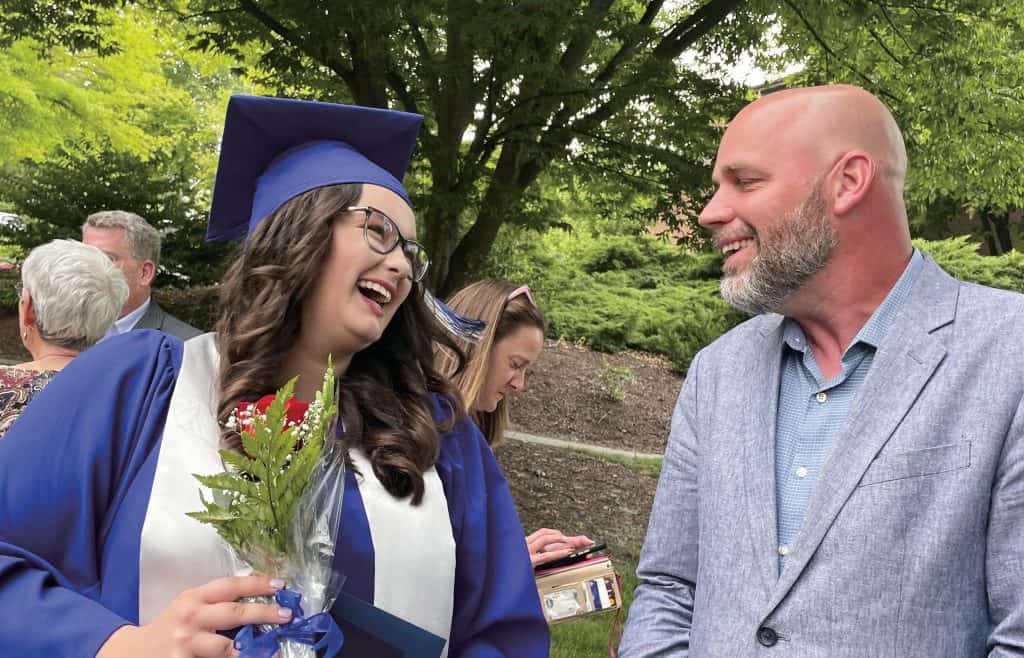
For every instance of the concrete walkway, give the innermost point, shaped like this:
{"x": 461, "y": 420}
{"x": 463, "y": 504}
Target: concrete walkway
{"x": 576, "y": 445}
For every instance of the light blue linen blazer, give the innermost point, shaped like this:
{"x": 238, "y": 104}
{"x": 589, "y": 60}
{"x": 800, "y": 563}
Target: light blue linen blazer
{"x": 913, "y": 540}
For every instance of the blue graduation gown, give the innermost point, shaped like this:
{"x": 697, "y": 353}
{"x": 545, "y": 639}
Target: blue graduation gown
{"x": 76, "y": 474}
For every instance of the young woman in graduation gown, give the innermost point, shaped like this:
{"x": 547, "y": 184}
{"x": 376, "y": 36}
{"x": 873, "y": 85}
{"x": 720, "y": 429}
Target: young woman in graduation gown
{"x": 97, "y": 555}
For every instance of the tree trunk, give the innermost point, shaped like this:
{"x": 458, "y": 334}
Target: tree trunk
{"x": 471, "y": 253}
{"x": 498, "y": 204}
{"x": 997, "y": 231}
{"x": 442, "y": 229}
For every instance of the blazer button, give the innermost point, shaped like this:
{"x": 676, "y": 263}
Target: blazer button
{"x": 767, "y": 637}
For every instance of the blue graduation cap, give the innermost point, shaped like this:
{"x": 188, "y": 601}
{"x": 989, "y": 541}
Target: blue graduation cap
{"x": 276, "y": 148}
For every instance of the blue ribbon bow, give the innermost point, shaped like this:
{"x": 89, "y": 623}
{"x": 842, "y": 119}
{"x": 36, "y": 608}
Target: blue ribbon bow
{"x": 300, "y": 630}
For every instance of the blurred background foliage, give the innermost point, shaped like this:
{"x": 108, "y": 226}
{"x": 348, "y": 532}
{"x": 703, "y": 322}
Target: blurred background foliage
{"x": 567, "y": 144}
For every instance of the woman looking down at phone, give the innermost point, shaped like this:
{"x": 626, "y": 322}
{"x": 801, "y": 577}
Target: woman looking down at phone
{"x": 495, "y": 369}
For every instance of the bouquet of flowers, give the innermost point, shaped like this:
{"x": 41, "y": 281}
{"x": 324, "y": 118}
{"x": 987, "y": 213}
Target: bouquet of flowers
{"x": 278, "y": 506}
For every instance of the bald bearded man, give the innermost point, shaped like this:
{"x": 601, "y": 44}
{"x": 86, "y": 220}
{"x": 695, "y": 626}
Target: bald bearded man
{"x": 845, "y": 471}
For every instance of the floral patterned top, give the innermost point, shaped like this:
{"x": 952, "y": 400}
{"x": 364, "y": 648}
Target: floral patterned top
{"x": 17, "y": 388}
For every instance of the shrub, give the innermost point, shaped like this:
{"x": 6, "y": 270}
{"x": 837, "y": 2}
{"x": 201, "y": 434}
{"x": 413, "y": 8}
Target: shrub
{"x": 614, "y": 380}
{"x": 959, "y": 256}
{"x": 10, "y": 277}
{"x": 619, "y": 292}
{"x": 197, "y": 305}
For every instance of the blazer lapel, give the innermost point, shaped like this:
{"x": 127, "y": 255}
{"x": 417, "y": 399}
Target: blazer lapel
{"x": 759, "y": 452}
{"x": 902, "y": 366}
{"x": 153, "y": 318}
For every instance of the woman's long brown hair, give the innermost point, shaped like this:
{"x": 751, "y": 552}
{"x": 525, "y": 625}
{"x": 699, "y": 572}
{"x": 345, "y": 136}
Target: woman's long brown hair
{"x": 384, "y": 395}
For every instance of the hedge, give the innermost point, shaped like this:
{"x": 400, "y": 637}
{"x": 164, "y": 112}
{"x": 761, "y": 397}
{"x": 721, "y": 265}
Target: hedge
{"x": 640, "y": 293}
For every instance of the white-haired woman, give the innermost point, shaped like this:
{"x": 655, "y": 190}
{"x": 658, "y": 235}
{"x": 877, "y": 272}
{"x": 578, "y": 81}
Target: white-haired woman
{"x": 70, "y": 294}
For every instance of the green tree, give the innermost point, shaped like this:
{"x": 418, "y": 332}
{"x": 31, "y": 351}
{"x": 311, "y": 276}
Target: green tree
{"x": 58, "y": 192}
{"x": 952, "y": 73}
{"x": 145, "y": 141}
{"x": 508, "y": 90}
{"x": 46, "y": 100}
{"x": 513, "y": 91}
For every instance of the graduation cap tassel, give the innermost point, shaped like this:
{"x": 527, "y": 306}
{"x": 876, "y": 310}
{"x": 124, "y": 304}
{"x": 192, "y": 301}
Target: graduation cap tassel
{"x": 470, "y": 329}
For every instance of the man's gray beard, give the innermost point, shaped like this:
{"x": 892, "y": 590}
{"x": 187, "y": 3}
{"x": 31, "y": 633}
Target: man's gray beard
{"x": 788, "y": 254}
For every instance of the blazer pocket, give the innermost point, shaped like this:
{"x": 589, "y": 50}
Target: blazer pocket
{"x": 917, "y": 463}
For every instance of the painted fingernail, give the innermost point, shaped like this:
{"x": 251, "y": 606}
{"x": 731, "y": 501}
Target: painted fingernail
{"x": 284, "y": 613}
{"x": 277, "y": 583}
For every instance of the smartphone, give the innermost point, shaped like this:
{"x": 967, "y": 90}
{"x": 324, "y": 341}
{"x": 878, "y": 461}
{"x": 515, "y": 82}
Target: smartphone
{"x": 578, "y": 555}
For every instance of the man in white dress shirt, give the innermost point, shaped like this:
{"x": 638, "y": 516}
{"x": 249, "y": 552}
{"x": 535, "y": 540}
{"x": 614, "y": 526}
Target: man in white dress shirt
{"x": 134, "y": 246}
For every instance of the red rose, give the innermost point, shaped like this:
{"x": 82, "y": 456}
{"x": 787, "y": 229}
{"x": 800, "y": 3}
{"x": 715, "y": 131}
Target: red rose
{"x": 295, "y": 411}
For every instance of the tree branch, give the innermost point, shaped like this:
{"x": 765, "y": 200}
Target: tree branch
{"x": 824, "y": 46}
{"x": 881, "y": 44}
{"x": 895, "y": 28}
{"x": 629, "y": 48}
{"x": 433, "y": 89}
{"x": 685, "y": 34}
{"x": 398, "y": 85}
{"x": 278, "y": 28}
{"x": 579, "y": 44}
{"x": 586, "y": 162}
{"x": 482, "y": 147}
{"x": 681, "y": 36}
{"x": 203, "y": 14}
{"x": 884, "y": 11}
{"x": 535, "y": 95}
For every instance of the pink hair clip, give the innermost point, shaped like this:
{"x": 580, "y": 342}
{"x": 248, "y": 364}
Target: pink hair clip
{"x": 522, "y": 290}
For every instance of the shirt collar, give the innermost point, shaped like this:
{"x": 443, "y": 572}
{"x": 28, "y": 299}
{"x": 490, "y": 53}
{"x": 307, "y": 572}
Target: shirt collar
{"x": 881, "y": 320}
{"x": 128, "y": 322}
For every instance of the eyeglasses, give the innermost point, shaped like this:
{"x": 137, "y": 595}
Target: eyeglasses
{"x": 382, "y": 235}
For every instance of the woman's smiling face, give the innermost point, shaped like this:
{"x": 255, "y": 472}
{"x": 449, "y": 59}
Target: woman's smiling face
{"x": 358, "y": 291}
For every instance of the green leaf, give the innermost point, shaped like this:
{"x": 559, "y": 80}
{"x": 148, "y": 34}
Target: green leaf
{"x": 256, "y": 498}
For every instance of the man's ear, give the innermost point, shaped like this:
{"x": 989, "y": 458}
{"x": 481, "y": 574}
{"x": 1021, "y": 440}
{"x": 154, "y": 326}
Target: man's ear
{"x": 148, "y": 272}
{"x": 851, "y": 179}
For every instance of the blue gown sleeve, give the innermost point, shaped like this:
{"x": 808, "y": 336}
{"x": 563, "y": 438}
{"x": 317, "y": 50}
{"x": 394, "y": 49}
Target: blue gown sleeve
{"x": 67, "y": 465}
{"x": 497, "y": 609}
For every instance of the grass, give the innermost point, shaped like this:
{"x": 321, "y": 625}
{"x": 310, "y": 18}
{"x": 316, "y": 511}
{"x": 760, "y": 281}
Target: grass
{"x": 649, "y": 465}
{"x": 588, "y": 638}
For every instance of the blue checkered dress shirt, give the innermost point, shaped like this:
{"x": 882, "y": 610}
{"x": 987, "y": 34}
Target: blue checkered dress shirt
{"x": 812, "y": 410}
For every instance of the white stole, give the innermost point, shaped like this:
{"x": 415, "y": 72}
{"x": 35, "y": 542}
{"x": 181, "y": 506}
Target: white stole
{"x": 177, "y": 552}
{"x": 413, "y": 551}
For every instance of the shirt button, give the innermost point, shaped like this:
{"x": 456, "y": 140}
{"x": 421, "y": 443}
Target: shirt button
{"x": 767, "y": 637}
{"x": 801, "y": 471}
{"x": 821, "y": 397}
{"x": 783, "y": 550}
